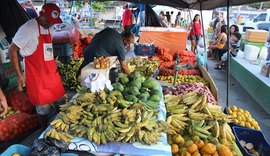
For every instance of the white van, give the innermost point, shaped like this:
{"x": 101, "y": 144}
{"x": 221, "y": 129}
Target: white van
{"x": 261, "y": 22}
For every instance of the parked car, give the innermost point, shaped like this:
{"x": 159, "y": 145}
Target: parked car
{"x": 260, "y": 22}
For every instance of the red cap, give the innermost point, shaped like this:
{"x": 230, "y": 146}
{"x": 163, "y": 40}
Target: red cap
{"x": 52, "y": 13}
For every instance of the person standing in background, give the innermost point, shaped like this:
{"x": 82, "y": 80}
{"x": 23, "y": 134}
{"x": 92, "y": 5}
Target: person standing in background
{"x": 162, "y": 16}
{"x": 173, "y": 19}
{"x": 127, "y": 19}
{"x": 195, "y": 33}
{"x": 168, "y": 18}
{"x": 178, "y": 19}
{"x": 214, "y": 24}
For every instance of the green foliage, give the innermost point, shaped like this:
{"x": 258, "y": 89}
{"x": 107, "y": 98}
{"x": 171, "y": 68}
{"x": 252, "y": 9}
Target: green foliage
{"x": 99, "y": 6}
{"x": 257, "y": 5}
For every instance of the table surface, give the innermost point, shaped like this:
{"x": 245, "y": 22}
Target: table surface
{"x": 252, "y": 68}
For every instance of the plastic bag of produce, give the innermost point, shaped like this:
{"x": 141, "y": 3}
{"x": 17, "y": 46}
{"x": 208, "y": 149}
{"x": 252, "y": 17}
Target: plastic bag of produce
{"x": 66, "y": 36}
{"x": 40, "y": 148}
{"x": 16, "y": 125}
{"x": 20, "y": 101}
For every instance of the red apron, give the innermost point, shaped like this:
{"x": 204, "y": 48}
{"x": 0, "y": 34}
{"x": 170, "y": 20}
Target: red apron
{"x": 43, "y": 82}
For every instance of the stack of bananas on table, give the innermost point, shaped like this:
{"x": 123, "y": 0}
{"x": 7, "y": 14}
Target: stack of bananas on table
{"x": 191, "y": 113}
{"x": 101, "y": 118}
{"x": 145, "y": 66}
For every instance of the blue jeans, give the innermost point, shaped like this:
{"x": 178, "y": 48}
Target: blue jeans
{"x": 135, "y": 30}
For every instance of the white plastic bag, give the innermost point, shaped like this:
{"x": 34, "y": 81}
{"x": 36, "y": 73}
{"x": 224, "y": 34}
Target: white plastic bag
{"x": 97, "y": 82}
{"x": 200, "y": 42}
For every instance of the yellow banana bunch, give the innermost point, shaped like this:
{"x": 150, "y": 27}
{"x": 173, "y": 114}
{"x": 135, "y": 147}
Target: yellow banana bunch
{"x": 197, "y": 116}
{"x": 58, "y": 135}
{"x": 60, "y": 125}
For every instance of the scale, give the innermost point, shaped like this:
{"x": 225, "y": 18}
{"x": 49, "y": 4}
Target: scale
{"x": 178, "y": 67}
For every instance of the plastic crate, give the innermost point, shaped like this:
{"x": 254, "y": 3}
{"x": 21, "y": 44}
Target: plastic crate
{"x": 144, "y": 50}
{"x": 63, "y": 49}
{"x": 20, "y": 149}
{"x": 251, "y": 136}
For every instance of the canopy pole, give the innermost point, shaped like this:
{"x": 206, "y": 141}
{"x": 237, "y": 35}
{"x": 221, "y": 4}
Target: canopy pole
{"x": 203, "y": 27}
{"x": 228, "y": 54}
{"x": 71, "y": 6}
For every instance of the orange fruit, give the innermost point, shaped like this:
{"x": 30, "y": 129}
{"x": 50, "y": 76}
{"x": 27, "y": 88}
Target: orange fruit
{"x": 236, "y": 121}
{"x": 234, "y": 108}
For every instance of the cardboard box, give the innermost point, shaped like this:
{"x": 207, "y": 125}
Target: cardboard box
{"x": 259, "y": 36}
{"x": 265, "y": 71}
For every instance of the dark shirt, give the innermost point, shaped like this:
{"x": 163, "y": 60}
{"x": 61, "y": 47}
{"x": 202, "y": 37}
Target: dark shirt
{"x": 31, "y": 12}
{"x": 215, "y": 22}
{"x": 108, "y": 42}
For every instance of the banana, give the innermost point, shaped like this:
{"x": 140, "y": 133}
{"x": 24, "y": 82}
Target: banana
{"x": 103, "y": 138}
{"x": 207, "y": 111}
{"x": 196, "y": 116}
{"x": 120, "y": 138}
{"x": 181, "y": 117}
{"x": 222, "y": 130}
{"x": 203, "y": 103}
{"x": 96, "y": 138}
{"x": 142, "y": 124}
{"x": 139, "y": 118}
{"x": 201, "y": 135}
{"x": 216, "y": 129}
{"x": 190, "y": 94}
{"x": 201, "y": 130}
{"x": 197, "y": 103}
{"x": 178, "y": 111}
{"x": 120, "y": 125}
{"x": 124, "y": 130}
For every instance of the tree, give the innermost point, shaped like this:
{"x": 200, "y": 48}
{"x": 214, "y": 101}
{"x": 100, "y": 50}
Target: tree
{"x": 257, "y": 5}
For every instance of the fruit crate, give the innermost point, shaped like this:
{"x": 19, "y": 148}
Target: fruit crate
{"x": 144, "y": 50}
{"x": 255, "y": 137}
{"x": 63, "y": 49}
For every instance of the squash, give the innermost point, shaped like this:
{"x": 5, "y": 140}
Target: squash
{"x": 196, "y": 154}
{"x": 224, "y": 151}
{"x": 192, "y": 148}
{"x": 199, "y": 143}
{"x": 175, "y": 149}
{"x": 209, "y": 148}
{"x": 185, "y": 153}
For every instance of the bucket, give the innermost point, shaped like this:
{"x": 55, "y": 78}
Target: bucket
{"x": 251, "y": 52}
{"x": 263, "y": 53}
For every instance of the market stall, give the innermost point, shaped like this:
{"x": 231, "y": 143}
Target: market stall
{"x": 172, "y": 38}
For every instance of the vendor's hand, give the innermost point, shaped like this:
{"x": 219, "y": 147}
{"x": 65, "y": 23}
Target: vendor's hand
{"x": 5, "y": 107}
{"x": 3, "y": 103}
{"x": 21, "y": 82}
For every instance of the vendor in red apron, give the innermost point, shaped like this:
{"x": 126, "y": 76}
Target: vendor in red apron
{"x": 34, "y": 42}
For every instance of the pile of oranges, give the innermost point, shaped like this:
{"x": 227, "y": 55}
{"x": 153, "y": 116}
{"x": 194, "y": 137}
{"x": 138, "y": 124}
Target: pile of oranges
{"x": 243, "y": 118}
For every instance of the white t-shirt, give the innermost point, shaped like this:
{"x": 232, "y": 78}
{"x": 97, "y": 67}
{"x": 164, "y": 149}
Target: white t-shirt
{"x": 27, "y": 36}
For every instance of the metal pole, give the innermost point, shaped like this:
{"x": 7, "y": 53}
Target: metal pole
{"x": 228, "y": 55}
{"x": 91, "y": 12}
{"x": 203, "y": 28}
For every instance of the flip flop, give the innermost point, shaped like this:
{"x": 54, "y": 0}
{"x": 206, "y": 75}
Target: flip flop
{"x": 218, "y": 68}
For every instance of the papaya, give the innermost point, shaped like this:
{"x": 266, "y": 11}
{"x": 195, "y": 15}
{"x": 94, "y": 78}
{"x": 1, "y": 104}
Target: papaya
{"x": 143, "y": 97}
{"x": 143, "y": 89}
{"x": 156, "y": 92}
{"x": 136, "y": 83}
{"x": 118, "y": 86}
{"x": 121, "y": 75}
{"x": 134, "y": 90}
{"x": 155, "y": 98}
{"x": 151, "y": 83}
{"x": 134, "y": 75}
{"x": 131, "y": 98}
{"x": 147, "y": 94}
{"x": 123, "y": 80}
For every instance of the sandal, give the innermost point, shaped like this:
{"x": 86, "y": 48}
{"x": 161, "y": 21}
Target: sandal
{"x": 218, "y": 68}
